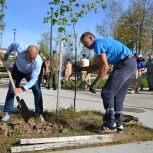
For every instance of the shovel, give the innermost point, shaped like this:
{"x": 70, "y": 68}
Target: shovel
{"x": 22, "y": 107}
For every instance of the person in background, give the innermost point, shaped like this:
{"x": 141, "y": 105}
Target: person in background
{"x": 111, "y": 51}
{"x": 41, "y": 72}
{"x": 137, "y": 82}
{"x": 68, "y": 70}
{"x": 149, "y": 66}
{"x": 47, "y": 73}
{"x": 43, "y": 80}
{"x": 85, "y": 76}
{"x": 28, "y": 66}
{"x": 54, "y": 70}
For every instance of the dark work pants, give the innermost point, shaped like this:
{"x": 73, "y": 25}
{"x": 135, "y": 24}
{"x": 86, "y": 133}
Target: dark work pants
{"x": 17, "y": 77}
{"x": 55, "y": 80}
{"x": 115, "y": 89}
{"x": 150, "y": 81}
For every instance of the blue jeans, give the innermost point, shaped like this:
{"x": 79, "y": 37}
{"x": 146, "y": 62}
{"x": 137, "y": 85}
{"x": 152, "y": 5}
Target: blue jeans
{"x": 17, "y": 77}
{"x": 115, "y": 89}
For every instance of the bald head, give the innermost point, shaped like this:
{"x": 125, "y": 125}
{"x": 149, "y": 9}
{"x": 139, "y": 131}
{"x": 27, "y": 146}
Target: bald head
{"x": 32, "y": 53}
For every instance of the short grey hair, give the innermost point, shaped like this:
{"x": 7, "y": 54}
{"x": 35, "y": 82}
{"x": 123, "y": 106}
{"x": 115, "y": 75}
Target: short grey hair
{"x": 85, "y": 34}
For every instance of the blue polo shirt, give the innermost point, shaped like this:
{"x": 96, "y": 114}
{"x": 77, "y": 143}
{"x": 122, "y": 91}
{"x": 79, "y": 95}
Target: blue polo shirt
{"x": 114, "y": 50}
{"x": 24, "y": 65}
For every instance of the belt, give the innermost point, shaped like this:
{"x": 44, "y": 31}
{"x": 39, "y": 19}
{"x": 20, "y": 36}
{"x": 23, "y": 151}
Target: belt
{"x": 124, "y": 59}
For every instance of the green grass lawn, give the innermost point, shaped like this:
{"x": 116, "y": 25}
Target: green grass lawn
{"x": 99, "y": 86}
{"x": 71, "y": 85}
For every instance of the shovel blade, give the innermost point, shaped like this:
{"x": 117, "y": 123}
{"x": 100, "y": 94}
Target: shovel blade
{"x": 23, "y": 109}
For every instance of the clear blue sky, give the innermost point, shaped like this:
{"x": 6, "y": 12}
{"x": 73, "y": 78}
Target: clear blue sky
{"x": 27, "y": 17}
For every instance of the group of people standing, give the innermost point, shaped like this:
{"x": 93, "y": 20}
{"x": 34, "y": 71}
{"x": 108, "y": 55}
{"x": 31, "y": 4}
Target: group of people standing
{"x": 149, "y": 66}
{"x": 49, "y": 72}
{"x": 137, "y": 83}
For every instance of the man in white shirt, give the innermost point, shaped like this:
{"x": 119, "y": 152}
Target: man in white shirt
{"x": 28, "y": 66}
{"x": 85, "y": 76}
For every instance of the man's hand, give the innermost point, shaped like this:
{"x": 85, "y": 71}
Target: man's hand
{"x": 93, "y": 88}
{"x": 17, "y": 91}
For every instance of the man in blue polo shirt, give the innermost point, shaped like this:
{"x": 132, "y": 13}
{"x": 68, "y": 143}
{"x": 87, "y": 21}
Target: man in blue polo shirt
{"x": 28, "y": 66}
{"x": 111, "y": 51}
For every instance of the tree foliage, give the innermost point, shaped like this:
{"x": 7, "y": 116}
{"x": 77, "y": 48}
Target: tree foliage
{"x": 43, "y": 44}
{"x": 2, "y": 24}
{"x": 67, "y": 45}
{"x": 67, "y": 13}
{"x": 111, "y": 15}
{"x": 2, "y": 6}
{"x": 63, "y": 10}
{"x": 134, "y": 26}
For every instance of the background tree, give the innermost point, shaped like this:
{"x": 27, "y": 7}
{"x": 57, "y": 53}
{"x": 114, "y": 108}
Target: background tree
{"x": 68, "y": 49}
{"x": 67, "y": 46}
{"x": 43, "y": 44}
{"x": 103, "y": 30}
{"x": 131, "y": 26}
{"x": 134, "y": 26}
{"x": 112, "y": 14}
{"x": 68, "y": 13}
{"x": 2, "y": 24}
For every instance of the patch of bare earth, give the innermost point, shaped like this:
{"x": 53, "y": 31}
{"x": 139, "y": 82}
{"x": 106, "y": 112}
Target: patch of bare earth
{"x": 87, "y": 122}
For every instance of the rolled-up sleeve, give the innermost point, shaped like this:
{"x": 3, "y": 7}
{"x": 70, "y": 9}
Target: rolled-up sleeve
{"x": 34, "y": 77}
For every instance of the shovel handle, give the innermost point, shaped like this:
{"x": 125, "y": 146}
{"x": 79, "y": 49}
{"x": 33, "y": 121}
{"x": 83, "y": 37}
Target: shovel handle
{"x": 10, "y": 77}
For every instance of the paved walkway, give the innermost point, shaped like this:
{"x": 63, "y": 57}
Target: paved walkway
{"x": 139, "y": 105}
{"x": 142, "y": 147}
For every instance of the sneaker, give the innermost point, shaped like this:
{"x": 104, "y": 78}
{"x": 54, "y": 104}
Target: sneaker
{"x": 41, "y": 118}
{"x": 120, "y": 128}
{"x": 108, "y": 129}
{"x": 54, "y": 88}
{"x": 5, "y": 117}
{"x": 132, "y": 92}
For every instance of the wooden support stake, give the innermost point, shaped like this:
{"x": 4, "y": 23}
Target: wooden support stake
{"x": 36, "y": 147}
{"x": 65, "y": 139}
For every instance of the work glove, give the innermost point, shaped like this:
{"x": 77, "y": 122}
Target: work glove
{"x": 92, "y": 88}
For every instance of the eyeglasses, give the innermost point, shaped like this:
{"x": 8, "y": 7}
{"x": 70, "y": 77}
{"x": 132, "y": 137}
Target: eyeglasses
{"x": 31, "y": 58}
